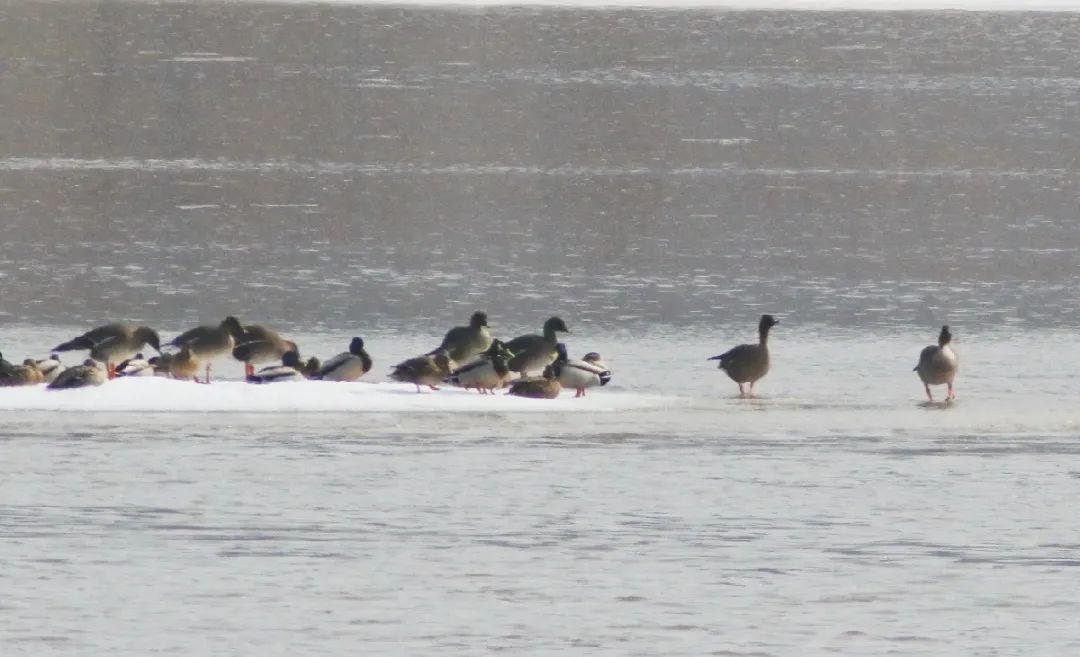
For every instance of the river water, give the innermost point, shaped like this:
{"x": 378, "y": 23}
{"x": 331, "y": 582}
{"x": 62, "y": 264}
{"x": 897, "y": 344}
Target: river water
{"x": 657, "y": 178}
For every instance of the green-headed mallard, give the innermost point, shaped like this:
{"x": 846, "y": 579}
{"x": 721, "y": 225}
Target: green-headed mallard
{"x": 348, "y": 366}
{"x": 545, "y": 387}
{"x": 289, "y": 370}
{"x": 208, "y": 343}
{"x": 938, "y": 364}
{"x": 580, "y": 374}
{"x": 137, "y": 365}
{"x": 749, "y": 362}
{"x": 532, "y": 353}
{"x": 113, "y": 343}
{"x": 428, "y": 370}
{"x": 90, "y": 373}
{"x": 463, "y": 343}
{"x": 486, "y": 373}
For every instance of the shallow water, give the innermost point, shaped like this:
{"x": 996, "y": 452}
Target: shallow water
{"x": 659, "y": 179}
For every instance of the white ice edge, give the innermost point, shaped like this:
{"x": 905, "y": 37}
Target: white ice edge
{"x": 165, "y": 395}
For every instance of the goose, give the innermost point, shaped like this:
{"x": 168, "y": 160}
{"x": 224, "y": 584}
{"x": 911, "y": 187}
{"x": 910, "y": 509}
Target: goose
{"x": 545, "y": 387}
{"x": 347, "y": 366}
{"x": 50, "y": 367}
{"x": 26, "y": 374}
{"x": 258, "y": 344}
{"x": 486, "y": 373}
{"x": 208, "y": 343}
{"x": 534, "y": 352}
{"x": 135, "y": 366}
{"x": 938, "y": 364}
{"x": 90, "y": 373}
{"x": 747, "y": 363}
{"x": 429, "y": 370}
{"x": 289, "y": 370}
{"x": 463, "y": 343}
{"x": 113, "y": 343}
{"x": 588, "y": 372}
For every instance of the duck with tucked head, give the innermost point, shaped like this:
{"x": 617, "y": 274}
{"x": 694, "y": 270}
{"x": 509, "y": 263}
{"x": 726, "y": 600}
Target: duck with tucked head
{"x": 347, "y": 366}
{"x": 289, "y": 370}
{"x": 207, "y": 343}
{"x": 113, "y": 343}
{"x": 90, "y": 373}
{"x": 544, "y": 387}
{"x": 938, "y": 364}
{"x": 588, "y": 372}
{"x": 26, "y": 374}
{"x": 137, "y": 365}
{"x": 486, "y": 373}
{"x": 428, "y": 370}
{"x": 258, "y": 344}
{"x": 532, "y": 353}
{"x": 747, "y": 363}
{"x": 463, "y": 343}
{"x": 50, "y": 367}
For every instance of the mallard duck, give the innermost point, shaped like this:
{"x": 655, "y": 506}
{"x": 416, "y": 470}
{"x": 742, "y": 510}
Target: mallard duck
{"x": 258, "y": 344}
{"x": 50, "y": 367}
{"x": 181, "y": 365}
{"x": 463, "y": 343}
{"x": 208, "y": 343}
{"x": 26, "y": 374}
{"x": 748, "y": 362}
{"x": 533, "y": 353}
{"x": 486, "y": 373}
{"x": 113, "y": 343}
{"x": 428, "y": 370}
{"x": 137, "y": 365}
{"x": 348, "y": 366}
{"x": 938, "y": 364}
{"x": 588, "y": 372}
{"x": 289, "y": 370}
{"x": 545, "y": 387}
{"x": 90, "y": 373}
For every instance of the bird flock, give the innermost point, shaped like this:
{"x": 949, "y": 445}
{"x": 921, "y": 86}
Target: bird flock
{"x": 533, "y": 365}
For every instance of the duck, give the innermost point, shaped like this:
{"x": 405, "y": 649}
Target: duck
{"x": 347, "y": 366}
{"x": 137, "y": 365}
{"x": 486, "y": 373}
{"x": 258, "y": 344}
{"x": 463, "y": 343}
{"x": 532, "y": 352}
{"x": 90, "y": 373}
{"x": 289, "y": 370}
{"x": 748, "y": 363}
{"x": 26, "y": 374}
{"x": 5, "y": 366}
{"x": 429, "y": 370}
{"x": 181, "y": 365}
{"x": 113, "y": 343}
{"x": 588, "y": 372}
{"x": 208, "y": 343}
{"x": 938, "y": 364}
{"x": 50, "y": 367}
{"x": 310, "y": 366}
{"x": 545, "y": 387}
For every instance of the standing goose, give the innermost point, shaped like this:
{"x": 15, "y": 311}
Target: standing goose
{"x": 258, "y": 344}
{"x": 533, "y": 352}
{"x": 348, "y": 366}
{"x": 289, "y": 370}
{"x": 462, "y": 343}
{"x": 545, "y": 387}
{"x": 90, "y": 373}
{"x": 113, "y": 343}
{"x": 486, "y": 373}
{"x": 749, "y": 362}
{"x": 50, "y": 367}
{"x": 428, "y": 370}
{"x": 938, "y": 364}
{"x": 581, "y": 374}
{"x": 26, "y": 374}
{"x": 208, "y": 343}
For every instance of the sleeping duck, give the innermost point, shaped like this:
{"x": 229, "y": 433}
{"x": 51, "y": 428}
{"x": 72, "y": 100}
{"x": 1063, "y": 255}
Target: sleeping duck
{"x": 429, "y": 370}
{"x": 532, "y": 353}
{"x": 544, "y": 387}
{"x": 486, "y": 373}
{"x": 747, "y": 363}
{"x": 289, "y": 370}
{"x": 588, "y": 372}
{"x": 938, "y": 364}
{"x": 50, "y": 367}
{"x": 348, "y": 366}
{"x": 135, "y": 366}
{"x": 26, "y": 374}
{"x": 90, "y": 373}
